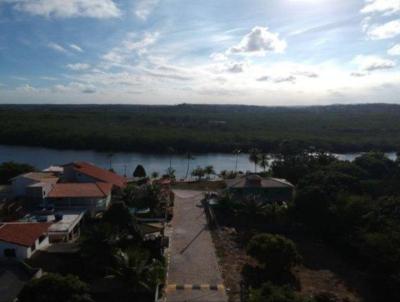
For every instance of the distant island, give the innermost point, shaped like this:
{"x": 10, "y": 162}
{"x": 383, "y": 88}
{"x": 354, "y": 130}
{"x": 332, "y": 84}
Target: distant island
{"x": 201, "y": 128}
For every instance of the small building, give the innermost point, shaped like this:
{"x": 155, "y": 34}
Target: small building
{"x": 272, "y": 189}
{"x": 34, "y": 185}
{"x": 21, "y": 240}
{"x": 65, "y": 225}
{"x": 90, "y": 197}
{"x": 84, "y": 172}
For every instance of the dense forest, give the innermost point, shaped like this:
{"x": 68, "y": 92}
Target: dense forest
{"x": 350, "y": 208}
{"x": 201, "y": 128}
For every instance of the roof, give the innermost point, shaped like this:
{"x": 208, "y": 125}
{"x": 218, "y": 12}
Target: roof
{"x": 55, "y": 169}
{"x": 256, "y": 181}
{"x": 67, "y": 223}
{"x": 24, "y": 234}
{"x": 99, "y": 173}
{"x": 39, "y": 176}
{"x": 80, "y": 190}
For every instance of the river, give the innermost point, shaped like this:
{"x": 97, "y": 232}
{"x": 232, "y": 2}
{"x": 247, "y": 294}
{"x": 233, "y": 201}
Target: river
{"x": 125, "y": 163}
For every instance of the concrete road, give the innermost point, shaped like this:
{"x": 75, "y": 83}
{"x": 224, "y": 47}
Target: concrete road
{"x": 193, "y": 272}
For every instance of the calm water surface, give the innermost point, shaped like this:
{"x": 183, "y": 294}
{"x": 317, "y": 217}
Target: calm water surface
{"x": 126, "y": 162}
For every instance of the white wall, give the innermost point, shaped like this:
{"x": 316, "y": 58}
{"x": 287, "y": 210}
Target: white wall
{"x": 23, "y": 252}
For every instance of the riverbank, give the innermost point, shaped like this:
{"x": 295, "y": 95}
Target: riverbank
{"x": 124, "y": 163}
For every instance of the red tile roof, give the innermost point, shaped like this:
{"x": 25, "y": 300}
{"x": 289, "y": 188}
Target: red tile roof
{"x": 99, "y": 173}
{"x": 24, "y": 234}
{"x": 79, "y": 190}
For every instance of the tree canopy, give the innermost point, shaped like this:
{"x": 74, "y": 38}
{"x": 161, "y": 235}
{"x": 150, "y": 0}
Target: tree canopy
{"x": 55, "y": 288}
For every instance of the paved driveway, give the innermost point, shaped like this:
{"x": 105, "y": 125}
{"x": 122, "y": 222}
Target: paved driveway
{"x": 193, "y": 273}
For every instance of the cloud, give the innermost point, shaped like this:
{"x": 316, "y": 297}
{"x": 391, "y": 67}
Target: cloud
{"x": 307, "y": 74}
{"x": 358, "y": 74}
{"x": 381, "y": 6}
{"x": 384, "y": 31}
{"x": 279, "y": 79}
{"x": 78, "y": 66}
{"x": 76, "y": 47}
{"x": 217, "y": 56}
{"x": 371, "y": 63}
{"x": 144, "y": 8}
{"x": 88, "y": 90}
{"x": 394, "y": 51}
{"x": 129, "y": 47}
{"x": 74, "y": 87}
{"x": 259, "y": 41}
{"x": 100, "y": 9}
{"x": 236, "y": 67}
{"x": 57, "y": 47}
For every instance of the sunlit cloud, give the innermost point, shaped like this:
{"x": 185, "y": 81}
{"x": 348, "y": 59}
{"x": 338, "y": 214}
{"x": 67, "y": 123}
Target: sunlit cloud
{"x": 258, "y": 42}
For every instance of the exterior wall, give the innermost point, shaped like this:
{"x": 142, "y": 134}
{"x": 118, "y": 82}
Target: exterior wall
{"x": 20, "y": 184}
{"x": 23, "y": 252}
{"x": 39, "y": 192}
{"x": 93, "y": 205}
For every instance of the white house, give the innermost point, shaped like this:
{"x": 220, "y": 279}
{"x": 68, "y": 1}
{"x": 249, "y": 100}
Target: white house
{"x": 35, "y": 185}
{"x": 21, "y": 240}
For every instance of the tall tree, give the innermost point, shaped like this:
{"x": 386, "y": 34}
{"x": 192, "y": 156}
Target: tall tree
{"x": 264, "y": 160}
{"x": 254, "y": 157}
{"x": 55, "y": 288}
{"x": 236, "y": 152}
{"x": 209, "y": 170}
{"x": 189, "y": 157}
{"x": 139, "y": 171}
{"x": 11, "y": 169}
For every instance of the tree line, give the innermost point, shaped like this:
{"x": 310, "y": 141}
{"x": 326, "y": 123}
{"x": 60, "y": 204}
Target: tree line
{"x": 201, "y": 128}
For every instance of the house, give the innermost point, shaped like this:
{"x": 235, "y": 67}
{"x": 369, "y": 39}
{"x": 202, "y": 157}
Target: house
{"x": 272, "y": 189}
{"x": 65, "y": 225}
{"x": 35, "y": 185}
{"x": 21, "y": 240}
{"x": 92, "y": 197}
{"x": 83, "y": 172}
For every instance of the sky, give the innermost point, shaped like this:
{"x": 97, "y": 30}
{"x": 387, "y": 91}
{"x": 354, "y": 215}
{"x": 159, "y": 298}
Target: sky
{"x": 260, "y": 52}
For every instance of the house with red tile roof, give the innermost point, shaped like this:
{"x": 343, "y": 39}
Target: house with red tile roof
{"x": 21, "y": 240}
{"x": 92, "y": 197}
{"x": 85, "y": 172}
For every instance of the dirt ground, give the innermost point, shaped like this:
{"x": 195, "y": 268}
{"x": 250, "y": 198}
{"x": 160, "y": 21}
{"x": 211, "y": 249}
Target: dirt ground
{"x": 232, "y": 258}
{"x": 322, "y": 271}
{"x": 325, "y": 271}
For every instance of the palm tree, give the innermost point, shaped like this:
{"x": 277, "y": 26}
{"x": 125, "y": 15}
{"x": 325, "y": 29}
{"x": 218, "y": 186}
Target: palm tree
{"x": 170, "y": 151}
{"x": 171, "y": 173}
{"x": 254, "y": 157}
{"x": 251, "y": 210}
{"x": 189, "y": 157}
{"x": 209, "y": 170}
{"x": 264, "y": 160}
{"x": 236, "y": 152}
{"x": 135, "y": 271}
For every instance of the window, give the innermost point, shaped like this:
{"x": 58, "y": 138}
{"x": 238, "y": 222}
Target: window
{"x": 10, "y": 253}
